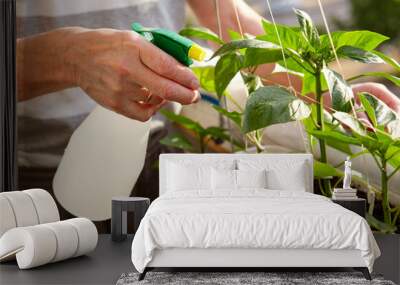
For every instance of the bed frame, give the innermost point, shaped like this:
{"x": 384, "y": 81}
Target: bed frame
{"x": 248, "y": 259}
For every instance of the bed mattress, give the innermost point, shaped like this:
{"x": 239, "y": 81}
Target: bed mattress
{"x": 251, "y": 219}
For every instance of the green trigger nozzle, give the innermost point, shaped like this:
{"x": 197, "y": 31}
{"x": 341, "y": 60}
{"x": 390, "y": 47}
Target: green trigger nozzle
{"x": 181, "y": 48}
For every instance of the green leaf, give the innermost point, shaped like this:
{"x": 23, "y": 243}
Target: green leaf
{"x": 369, "y": 109}
{"x": 290, "y": 36}
{"x": 234, "y": 35}
{"x": 227, "y": 67}
{"x": 323, "y": 170}
{"x": 351, "y": 122}
{"x": 393, "y": 155}
{"x": 253, "y": 82}
{"x": 309, "y": 83}
{"x": 205, "y": 74}
{"x": 240, "y": 44}
{"x": 388, "y": 76}
{"x": 258, "y": 56}
{"x": 383, "y": 114}
{"x": 178, "y": 141}
{"x": 201, "y": 33}
{"x": 340, "y": 90}
{"x": 272, "y": 105}
{"x": 220, "y": 133}
{"x": 308, "y": 28}
{"x": 216, "y": 133}
{"x": 360, "y": 39}
{"x": 358, "y": 54}
{"x": 387, "y": 59}
{"x": 235, "y": 117}
{"x": 335, "y": 136}
{"x": 182, "y": 120}
{"x": 380, "y": 226}
{"x": 386, "y": 118}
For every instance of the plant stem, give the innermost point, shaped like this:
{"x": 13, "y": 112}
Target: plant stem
{"x": 201, "y": 142}
{"x": 320, "y": 121}
{"x": 385, "y": 197}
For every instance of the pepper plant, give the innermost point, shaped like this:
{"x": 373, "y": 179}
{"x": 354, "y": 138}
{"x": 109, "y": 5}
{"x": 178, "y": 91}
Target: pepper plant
{"x": 302, "y": 51}
{"x": 202, "y": 134}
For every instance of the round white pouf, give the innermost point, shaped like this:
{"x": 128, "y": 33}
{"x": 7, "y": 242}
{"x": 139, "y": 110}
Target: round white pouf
{"x": 7, "y": 218}
{"x": 23, "y": 208}
{"x": 67, "y": 240}
{"x": 87, "y": 234}
{"x": 45, "y": 205}
{"x": 33, "y": 246}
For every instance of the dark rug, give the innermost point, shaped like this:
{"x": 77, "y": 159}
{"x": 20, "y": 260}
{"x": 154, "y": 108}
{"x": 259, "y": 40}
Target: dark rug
{"x": 243, "y": 278}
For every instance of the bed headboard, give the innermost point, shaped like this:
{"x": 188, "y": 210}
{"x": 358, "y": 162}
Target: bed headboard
{"x": 211, "y": 158}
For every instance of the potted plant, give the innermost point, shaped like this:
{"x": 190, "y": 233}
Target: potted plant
{"x": 303, "y": 51}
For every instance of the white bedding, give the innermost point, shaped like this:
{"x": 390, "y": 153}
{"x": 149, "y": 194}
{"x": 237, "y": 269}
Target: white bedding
{"x": 252, "y": 218}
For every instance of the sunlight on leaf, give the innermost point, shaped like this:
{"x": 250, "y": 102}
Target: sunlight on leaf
{"x": 358, "y": 54}
{"x": 290, "y": 36}
{"x": 205, "y": 74}
{"x": 351, "y": 122}
{"x": 383, "y": 113}
{"x": 308, "y": 28}
{"x": 340, "y": 90}
{"x": 361, "y": 39}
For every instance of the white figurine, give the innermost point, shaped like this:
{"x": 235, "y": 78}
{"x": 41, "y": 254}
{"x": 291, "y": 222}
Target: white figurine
{"x": 347, "y": 174}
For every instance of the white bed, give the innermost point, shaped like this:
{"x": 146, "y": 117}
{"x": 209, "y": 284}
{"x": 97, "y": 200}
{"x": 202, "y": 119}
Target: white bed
{"x": 203, "y": 220}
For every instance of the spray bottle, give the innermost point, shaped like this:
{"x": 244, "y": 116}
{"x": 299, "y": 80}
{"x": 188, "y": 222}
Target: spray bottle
{"x": 106, "y": 153}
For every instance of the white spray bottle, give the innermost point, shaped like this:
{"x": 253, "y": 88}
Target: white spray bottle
{"x": 104, "y": 158}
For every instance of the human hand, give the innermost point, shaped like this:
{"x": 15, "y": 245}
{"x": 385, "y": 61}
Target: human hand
{"x": 123, "y": 72}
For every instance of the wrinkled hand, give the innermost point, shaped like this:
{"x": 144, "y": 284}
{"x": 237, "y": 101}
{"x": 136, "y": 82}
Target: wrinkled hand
{"x": 123, "y": 72}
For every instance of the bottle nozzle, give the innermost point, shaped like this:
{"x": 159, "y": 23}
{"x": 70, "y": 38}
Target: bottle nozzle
{"x": 197, "y": 53}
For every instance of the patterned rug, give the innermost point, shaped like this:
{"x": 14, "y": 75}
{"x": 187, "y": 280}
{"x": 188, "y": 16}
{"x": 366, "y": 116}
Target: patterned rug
{"x": 253, "y": 278}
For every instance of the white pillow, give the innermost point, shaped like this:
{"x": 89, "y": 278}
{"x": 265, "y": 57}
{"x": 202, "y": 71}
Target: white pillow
{"x": 294, "y": 180}
{"x": 188, "y": 177}
{"x": 251, "y": 178}
{"x": 223, "y": 179}
{"x": 281, "y": 174}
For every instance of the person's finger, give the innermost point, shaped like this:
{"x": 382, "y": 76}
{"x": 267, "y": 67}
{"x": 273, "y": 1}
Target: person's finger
{"x": 155, "y": 100}
{"x": 136, "y": 110}
{"x": 166, "y": 66}
{"x": 165, "y": 88}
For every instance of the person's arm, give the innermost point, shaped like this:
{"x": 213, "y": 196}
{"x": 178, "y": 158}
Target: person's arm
{"x": 118, "y": 69}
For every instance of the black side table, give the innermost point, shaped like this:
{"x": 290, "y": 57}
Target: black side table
{"x": 120, "y": 207}
{"x": 358, "y": 205}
